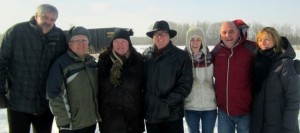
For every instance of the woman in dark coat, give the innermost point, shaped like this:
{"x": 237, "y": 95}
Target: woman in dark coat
{"x": 121, "y": 96}
{"x": 277, "y": 85}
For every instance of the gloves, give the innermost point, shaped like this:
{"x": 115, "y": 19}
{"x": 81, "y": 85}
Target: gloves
{"x": 3, "y": 102}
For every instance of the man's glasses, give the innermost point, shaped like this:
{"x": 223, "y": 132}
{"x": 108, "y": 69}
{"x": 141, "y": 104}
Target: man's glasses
{"x": 163, "y": 33}
{"x": 79, "y": 41}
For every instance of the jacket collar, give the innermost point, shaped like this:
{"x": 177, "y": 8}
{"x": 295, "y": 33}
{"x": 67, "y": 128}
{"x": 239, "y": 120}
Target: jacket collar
{"x": 77, "y": 58}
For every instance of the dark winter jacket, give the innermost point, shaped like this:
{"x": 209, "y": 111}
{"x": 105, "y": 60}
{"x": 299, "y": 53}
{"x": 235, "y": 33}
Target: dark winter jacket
{"x": 233, "y": 76}
{"x": 121, "y": 107}
{"x": 25, "y": 57}
{"x": 169, "y": 81}
{"x": 277, "y": 92}
{"x": 72, "y": 89}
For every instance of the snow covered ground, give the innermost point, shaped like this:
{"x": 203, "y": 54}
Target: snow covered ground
{"x": 4, "y": 125}
{"x": 140, "y": 48}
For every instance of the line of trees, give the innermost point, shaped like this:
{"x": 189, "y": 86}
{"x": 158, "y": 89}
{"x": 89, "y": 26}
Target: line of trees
{"x": 212, "y": 32}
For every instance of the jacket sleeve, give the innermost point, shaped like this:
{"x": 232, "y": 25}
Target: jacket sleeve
{"x": 291, "y": 84}
{"x": 183, "y": 83}
{"x": 6, "y": 52}
{"x": 56, "y": 94}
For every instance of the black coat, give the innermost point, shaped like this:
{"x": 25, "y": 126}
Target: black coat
{"x": 121, "y": 108}
{"x": 276, "y": 94}
{"x": 169, "y": 81}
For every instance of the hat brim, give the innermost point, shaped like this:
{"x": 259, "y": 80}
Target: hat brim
{"x": 172, "y": 33}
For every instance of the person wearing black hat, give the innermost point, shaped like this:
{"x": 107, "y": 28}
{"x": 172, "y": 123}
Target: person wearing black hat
{"x": 168, "y": 78}
{"x": 121, "y": 99}
{"x": 72, "y": 86}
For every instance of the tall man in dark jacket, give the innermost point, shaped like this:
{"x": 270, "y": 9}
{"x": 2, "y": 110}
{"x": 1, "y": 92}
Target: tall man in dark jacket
{"x": 168, "y": 81}
{"x": 27, "y": 51}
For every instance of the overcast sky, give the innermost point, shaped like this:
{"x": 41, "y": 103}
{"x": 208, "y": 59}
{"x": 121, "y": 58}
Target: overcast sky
{"x": 141, "y": 14}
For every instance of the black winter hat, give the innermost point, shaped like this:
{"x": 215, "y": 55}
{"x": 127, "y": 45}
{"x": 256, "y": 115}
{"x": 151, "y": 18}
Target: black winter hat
{"x": 124, "y": 34}
{"x": 161, "y": 25}
{"x": 79, "y": 30}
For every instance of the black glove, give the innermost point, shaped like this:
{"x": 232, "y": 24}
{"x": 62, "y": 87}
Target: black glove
{"x": 3, "y": 102}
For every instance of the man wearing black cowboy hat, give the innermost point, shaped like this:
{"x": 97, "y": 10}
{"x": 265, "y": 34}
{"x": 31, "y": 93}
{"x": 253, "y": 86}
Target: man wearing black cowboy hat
{"x": 168, "y": 81}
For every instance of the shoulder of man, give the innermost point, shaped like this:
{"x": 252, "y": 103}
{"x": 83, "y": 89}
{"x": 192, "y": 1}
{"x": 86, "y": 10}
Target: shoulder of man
{"x": 16, "y": 27}
{"x": 250, "y": 45}
{"x": 148, "y": 50}
{"x": 216, "y": 49}
{"x": 57, "y": 31}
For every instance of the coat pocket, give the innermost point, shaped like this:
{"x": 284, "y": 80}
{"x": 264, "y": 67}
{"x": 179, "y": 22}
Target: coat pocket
{"x": 163, "y": 111}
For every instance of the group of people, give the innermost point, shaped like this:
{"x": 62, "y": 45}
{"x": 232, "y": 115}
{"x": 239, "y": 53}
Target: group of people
{"x": 252, "y": 87}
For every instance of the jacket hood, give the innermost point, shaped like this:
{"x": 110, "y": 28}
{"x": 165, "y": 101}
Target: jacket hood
{"x": 242, "y": 26}
{"x": 288, "y": 51}
{"x": 195, "y": 31}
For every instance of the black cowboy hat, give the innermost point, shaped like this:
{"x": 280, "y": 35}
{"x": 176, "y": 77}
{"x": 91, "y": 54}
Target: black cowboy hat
{"x": 161, "y": 25}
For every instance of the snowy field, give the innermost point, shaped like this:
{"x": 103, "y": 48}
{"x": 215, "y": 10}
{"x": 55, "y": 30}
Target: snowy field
{"x": 140, "y": 48}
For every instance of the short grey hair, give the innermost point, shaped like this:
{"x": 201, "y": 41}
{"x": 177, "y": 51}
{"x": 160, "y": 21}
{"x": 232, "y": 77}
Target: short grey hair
{"x": 44, "y": 8}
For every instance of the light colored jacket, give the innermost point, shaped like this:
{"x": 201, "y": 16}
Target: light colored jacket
{"x": 202, "y": 96}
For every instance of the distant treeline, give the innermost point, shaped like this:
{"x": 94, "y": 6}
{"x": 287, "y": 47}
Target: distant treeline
{"x": 212, "y": 32}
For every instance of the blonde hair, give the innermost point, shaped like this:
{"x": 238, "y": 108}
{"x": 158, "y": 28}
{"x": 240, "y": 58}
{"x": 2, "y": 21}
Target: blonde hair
{"x": 272, "y": 32}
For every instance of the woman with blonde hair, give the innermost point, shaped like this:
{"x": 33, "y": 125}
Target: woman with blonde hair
{"x": 276, "y": 92}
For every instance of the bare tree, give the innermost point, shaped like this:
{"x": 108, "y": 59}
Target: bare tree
{"x": 212, "y": 32}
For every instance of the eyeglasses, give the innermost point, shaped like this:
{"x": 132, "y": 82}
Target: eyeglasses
{"x": 79, "y": 41}
{"x": 164, "y": 33}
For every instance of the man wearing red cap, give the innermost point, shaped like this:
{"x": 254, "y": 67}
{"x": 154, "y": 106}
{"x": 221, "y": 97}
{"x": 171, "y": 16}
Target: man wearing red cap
{"x": 233, "y": 62}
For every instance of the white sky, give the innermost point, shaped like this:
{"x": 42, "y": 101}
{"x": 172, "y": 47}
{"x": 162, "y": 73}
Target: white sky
{"x": 141, "y": 14}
